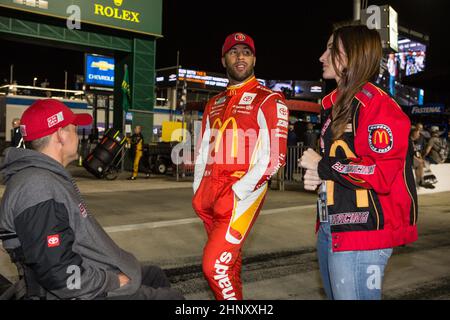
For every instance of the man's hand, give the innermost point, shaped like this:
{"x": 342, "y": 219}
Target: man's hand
{"x": 123, "y": 279}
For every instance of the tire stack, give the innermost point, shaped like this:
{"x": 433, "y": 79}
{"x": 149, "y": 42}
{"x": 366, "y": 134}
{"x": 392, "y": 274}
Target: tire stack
{"x": 102, "y": 157}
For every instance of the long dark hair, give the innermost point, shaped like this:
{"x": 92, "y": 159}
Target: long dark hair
{"x": 363, "y": 51}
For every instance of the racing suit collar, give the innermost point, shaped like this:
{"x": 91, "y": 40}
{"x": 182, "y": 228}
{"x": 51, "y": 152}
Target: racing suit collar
{"x": 236, "y": 89}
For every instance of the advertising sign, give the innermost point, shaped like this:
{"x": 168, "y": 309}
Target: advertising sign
{"x": 99, "y": 70}
{"x": 130, "y": 15}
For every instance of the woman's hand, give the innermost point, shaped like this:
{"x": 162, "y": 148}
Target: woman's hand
{"x": 310, "y": 161}
{"x": 311, "y": 180}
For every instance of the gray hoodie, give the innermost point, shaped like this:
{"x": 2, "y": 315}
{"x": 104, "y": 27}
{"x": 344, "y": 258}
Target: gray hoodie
{"x": 58, "y": 234}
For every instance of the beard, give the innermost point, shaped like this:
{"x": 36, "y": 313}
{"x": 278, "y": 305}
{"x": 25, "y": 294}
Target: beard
{"x": 239, "y": 77}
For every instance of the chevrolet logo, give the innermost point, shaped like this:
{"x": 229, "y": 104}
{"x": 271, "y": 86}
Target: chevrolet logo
{"x": 102, "y": 65}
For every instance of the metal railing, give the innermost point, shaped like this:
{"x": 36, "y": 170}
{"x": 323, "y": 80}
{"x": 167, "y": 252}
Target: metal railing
{"x": 17, "y": 90}
{"x": 184, "y": 169}
{"x": 292, "y": 172}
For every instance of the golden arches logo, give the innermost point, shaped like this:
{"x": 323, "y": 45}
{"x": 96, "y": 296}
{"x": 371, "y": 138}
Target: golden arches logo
{"x": 381, "y": 136}
{"x": 362, "y": 197}
{"x": 222, "y": 128}
{"x": 381, "y": 139}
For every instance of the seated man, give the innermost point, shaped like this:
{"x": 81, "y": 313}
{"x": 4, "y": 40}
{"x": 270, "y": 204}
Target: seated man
{"x": 69, "y": 253}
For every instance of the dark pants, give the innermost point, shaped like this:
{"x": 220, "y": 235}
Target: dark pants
{"x": 155, "y": 286}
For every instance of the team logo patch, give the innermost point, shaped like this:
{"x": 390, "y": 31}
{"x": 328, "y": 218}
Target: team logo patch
{"x": 247, "y": 98}
{"x": 53, "y": 241}
{"x": 282, "y": 111}
{"x": 55, "y": 119}
{"x": 381, "y": 139}
{"x": 239, "y": 37}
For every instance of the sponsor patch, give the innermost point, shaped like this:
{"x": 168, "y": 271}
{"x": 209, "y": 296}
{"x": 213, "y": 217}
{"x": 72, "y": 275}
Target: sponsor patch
{"x": 282, "y": 111}
{"x": 381, "y": 139}
{"x": 247, "y": 98}
{"x": 83, "y": 210}
{"x": 241, "y": 112}
{"x": 353, "y": 168}
{"x": 281, "y": 135}
{"x": 349, "y": 218}
{"x": 53, "y": 241}
{"x": 367, "y": 93}
{"x": 55, "y": 119}
{"x": 248, "y": 108}
{"x": 282, "y": 123}
{"x": 217, "y": 107}
{"x": 220, "y": 100}
{"x": 281, "y": 130}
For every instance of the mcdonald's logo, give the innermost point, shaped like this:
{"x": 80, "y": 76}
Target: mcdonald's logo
{"x": 380, "y": 138}
{"x": 217, "y": 124}
{"x": 362, "y": 196}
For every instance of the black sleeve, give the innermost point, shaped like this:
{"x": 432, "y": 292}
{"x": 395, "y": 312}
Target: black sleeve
{"x": 47, "y": 239}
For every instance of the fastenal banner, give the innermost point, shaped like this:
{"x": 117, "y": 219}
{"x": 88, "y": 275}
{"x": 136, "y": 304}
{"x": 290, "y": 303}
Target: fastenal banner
{"x": 131, "y": 15}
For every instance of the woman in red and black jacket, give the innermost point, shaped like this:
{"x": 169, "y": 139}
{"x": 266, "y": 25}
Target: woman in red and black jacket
{"x": 367, "y": 198}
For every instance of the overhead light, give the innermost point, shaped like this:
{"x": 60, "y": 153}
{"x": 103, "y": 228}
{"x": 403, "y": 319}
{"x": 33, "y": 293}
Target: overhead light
{"x": 404, "y": 41}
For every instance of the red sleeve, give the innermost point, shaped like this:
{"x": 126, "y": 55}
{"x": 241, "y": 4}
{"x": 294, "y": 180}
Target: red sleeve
{"x": 276, "y": 114}
{"x": 201, "y": 150}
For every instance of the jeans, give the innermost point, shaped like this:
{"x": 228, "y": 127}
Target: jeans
{"x": 350, "y": 275}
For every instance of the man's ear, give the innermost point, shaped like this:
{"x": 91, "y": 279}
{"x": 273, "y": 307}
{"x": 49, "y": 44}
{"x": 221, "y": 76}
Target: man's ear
{"x": 223, "y": 62}
{"x": 254, "y": 62}
{"x": 60, "y": 135}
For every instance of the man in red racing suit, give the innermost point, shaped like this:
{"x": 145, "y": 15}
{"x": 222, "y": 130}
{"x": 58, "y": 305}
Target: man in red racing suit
{"x": 244, "y": 137}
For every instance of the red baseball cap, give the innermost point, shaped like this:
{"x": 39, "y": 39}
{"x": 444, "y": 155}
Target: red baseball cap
{"x": 45, "y": 116}
{"x": 237, "y": 38}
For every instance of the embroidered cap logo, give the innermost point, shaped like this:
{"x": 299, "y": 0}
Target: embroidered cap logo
{"x": 239, "y": 37}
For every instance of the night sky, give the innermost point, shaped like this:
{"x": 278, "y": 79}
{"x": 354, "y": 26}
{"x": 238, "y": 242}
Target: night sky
{"x": 290, "y": 36}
